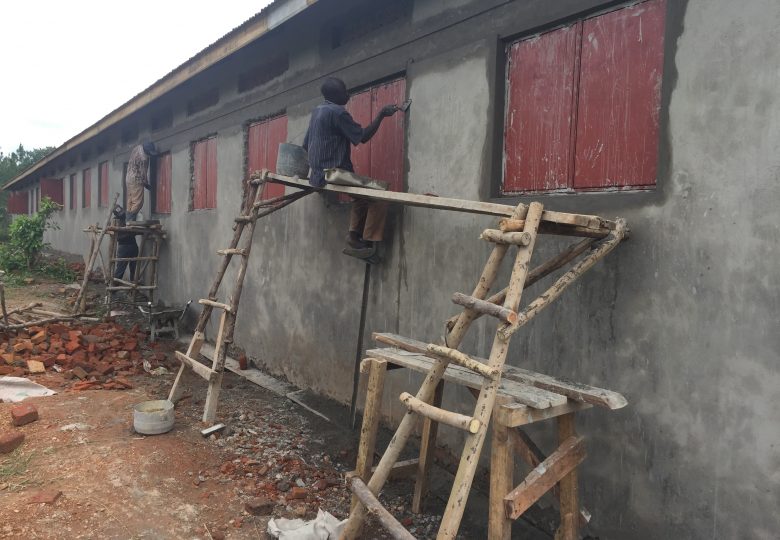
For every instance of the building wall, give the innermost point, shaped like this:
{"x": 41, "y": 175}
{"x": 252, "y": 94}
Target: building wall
{"x": 682, "y": 319}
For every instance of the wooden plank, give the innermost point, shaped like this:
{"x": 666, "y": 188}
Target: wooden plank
{"x": 446, "y": 203}
{"x": 526, "y": 449}
{"x": 517, "y": 414}
{"x": 374, "y": 507}
{"x": 539, "y": 481}
{"x": 553, "y": 397}
{"x": 573, "y": 390}
{"x": 520, "y": 392}
{"x": 203, "y": 371}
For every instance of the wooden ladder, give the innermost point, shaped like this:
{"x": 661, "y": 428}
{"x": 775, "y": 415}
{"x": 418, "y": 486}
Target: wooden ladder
{"x": 252, "y": 208}
{"x": 476, "y": 425}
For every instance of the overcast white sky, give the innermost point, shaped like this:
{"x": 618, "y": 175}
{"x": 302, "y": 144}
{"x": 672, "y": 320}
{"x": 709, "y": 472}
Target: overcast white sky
{"x": 65, "y": 65}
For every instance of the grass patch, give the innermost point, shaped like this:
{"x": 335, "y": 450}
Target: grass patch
{"x": 12, "y": 471}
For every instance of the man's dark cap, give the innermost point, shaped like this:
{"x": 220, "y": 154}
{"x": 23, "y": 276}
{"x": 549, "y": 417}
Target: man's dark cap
{"x": 149, "y": 148}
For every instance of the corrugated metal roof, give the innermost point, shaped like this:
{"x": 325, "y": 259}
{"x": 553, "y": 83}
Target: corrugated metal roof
{"x": 270, "y": 17}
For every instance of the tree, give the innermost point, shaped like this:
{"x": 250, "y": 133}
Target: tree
{"x": 13, "y": 164}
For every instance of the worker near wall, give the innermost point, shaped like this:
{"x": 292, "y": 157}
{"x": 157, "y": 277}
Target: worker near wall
{"x": 126, "y": 246}
{"x": 137, "y": 178}
{"x": 331, "y": 131}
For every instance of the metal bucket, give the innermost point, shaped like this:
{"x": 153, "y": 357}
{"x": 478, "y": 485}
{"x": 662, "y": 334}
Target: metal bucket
{"x": 153, "y": 417}
{"x": 292, "y": 160}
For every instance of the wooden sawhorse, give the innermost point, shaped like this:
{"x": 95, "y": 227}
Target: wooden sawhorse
{"x": 525, "y": 397}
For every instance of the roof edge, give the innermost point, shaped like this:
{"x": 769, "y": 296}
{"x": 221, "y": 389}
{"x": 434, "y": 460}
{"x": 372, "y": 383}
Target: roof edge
{"x": 269, "y": 18}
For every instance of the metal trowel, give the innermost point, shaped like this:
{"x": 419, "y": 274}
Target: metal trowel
{"x": 403, "y": 107}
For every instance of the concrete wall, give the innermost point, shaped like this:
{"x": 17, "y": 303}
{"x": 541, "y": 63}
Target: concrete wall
{"x": 682, "y": 319}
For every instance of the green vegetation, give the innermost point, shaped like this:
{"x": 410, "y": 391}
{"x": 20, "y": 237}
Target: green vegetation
{"x": 21, "y": 254}
{"x": 10, "y": 166}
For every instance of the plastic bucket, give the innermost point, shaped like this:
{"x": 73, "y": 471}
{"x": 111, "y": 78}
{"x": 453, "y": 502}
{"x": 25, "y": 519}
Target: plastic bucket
{"x": 153, "y": 417}
{"x": 292, "y": 160}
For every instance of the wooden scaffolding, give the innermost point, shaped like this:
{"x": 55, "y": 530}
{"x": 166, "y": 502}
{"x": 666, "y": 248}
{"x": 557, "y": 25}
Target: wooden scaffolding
{"x": 510, "y": 396}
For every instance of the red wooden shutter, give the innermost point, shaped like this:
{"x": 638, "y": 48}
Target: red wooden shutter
{"x": 387, "y": 146}
{"x": 359, "y": 106}
{"x": 162, "y": 191}
{"x": 53, "y": 189}
{"x": 103, "y": 184}
{"x": 263, "y": 143}
{"x": 199, "y": 172}
{"x": 72, "y": 190}
{"x": 256, "y": 146}
{"x": 538, "y": 125}
{"x": 205, "y": 181}
{"x": 18, "y": 202}
{"x": 277, "y": 134}
{"x": 619, "y": 101}
{"x": 86, "y": 188}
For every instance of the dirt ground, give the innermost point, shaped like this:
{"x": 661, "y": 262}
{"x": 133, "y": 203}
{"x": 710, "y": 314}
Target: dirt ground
{"x": 274, "y": 459}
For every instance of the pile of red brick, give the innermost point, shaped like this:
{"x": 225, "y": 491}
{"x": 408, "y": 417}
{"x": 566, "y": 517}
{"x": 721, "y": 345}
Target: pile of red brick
{"x": 95, "y": 356}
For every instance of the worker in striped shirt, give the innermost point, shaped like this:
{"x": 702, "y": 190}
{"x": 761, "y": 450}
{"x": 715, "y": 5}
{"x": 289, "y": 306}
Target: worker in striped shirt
{"x": 332, "y": 131}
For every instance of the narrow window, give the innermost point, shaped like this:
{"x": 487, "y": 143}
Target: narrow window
{"x": 103, "y": 184}
{"x": 204, "y": 161}
{"x": 86, "y": 187}
{"x": 263, "y": 142}
{"x": 72, "y": 192}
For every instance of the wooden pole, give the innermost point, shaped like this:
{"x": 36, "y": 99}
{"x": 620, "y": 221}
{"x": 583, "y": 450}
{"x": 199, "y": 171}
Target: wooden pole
{"x": 2, "y": 303}
{"x": 562, "y": 283}
{"x": 460, "y": 421}
{"x": 370, "y": 502}
{"x": 515, "y": 238}
{"x": 473, "y": 447}
{"x": 92, "y": 256}
{"x": 485, "y": 307}
{"x": 427, "y": 447}
{"x": 377, "y": 369}
{"x": 540, "y": 272}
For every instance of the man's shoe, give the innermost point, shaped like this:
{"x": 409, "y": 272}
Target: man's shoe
{"x": 355, "y": 242}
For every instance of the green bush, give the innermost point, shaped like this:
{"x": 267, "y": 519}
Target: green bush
{"x": 25, "y": 242}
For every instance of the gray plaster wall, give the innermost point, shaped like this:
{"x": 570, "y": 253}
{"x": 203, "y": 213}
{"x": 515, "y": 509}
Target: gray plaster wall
{"x": 682, "y": 319}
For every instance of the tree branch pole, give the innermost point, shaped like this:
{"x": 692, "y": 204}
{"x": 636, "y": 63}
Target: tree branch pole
{"x": 92, "y": 256}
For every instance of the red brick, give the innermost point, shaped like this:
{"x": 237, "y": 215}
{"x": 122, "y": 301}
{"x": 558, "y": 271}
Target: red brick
{"x": 9, "y": 357}
{"x": 23, "y": 345}
{"x": 130, "y": 345}
{"x": 73, "y": 335}
{"x": 40, "y": 337}
{"x": 123, "y": 382}
{"x": 45, "y": 497}
{"x": 105, "y": 369}
{"x": 6, "y": 370}
{"x": 71, "y": 346}
{"x": 10, "y": 441}
{"x": 24, "y": 413}
{"x": 298, "y": 493}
